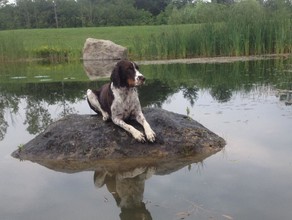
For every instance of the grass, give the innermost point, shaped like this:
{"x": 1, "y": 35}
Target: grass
{"x": 152, "y": 42}
{"x": 73, "y": 39}
{"x": 11, "y": 47}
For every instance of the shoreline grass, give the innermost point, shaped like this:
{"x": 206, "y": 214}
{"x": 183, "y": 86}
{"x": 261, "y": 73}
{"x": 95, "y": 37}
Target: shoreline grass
{"x": 152, "y": 42}
{"x": 70, "y": 39}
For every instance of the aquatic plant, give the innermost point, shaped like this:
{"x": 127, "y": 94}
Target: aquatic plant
{"x": 250, "y": 29}
{"x": 52, "y": 53}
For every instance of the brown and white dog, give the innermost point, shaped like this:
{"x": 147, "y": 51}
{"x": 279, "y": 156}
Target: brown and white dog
{"x": 119, "y": 100}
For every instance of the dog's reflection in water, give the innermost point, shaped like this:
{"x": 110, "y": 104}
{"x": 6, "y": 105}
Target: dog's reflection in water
{"x": 127, "y": 188}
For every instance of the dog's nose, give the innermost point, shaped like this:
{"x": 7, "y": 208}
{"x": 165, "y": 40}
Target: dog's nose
{"x": 141, "y": 78}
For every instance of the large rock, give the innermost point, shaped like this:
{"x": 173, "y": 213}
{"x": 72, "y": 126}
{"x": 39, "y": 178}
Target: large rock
{"x": 95, "y": 49}
{"x": 96, "y": 69}
{"x": 88, "y": 138}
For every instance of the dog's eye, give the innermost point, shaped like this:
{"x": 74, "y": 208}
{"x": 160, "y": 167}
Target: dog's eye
{"x": 135, "y": 66}
{"x": 130, "y": 67}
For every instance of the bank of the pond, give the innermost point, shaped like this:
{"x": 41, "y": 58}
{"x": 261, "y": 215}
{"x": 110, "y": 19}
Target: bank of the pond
{"x": 218, "y": 59}
{"x": 215, "y": 59}
{"x": 152, "y": 42}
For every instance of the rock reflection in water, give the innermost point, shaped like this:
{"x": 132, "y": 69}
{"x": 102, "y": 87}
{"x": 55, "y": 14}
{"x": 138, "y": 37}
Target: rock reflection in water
{"x": 125, "y": 178}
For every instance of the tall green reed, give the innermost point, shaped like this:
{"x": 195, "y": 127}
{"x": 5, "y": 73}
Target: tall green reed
{"x": 219, "y": 39}
{"x": 11, "y": 47}
{"x": 250, "y": 29}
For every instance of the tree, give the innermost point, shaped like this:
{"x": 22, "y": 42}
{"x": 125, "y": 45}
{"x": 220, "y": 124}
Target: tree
{"x": 155, "y": 7}
{"x": 7, "y": 20}
{"x": 24, "y": 11}
{"x": 223, "y": 1}
{"x": 180, "y": 3}
{"x": 3, "y": 3}
{"x": 68, "y": 13}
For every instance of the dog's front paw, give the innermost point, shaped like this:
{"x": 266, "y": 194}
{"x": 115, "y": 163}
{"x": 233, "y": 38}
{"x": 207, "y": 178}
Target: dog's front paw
{"x": 139, "y": 136}
{"x": 150, "y": 134}
{"x": 105, "y": 116}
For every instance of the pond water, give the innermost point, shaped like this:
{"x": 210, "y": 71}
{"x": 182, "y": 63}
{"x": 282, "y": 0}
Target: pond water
{"x": 249, "y": 104}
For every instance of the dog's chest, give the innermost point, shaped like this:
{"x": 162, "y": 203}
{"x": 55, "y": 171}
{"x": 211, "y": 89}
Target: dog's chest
{"x": 125, "y": 102}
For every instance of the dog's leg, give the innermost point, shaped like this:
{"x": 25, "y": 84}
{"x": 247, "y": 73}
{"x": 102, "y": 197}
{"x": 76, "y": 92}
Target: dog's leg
{"x": 150, "y": 134}
{"x": 91, "y": 97}
{"x": 131, "y": 174}
{"x": 139, "y": 136}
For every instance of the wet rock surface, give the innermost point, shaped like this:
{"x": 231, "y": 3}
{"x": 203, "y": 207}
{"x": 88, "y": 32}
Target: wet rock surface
{"x": 88, "y": 138}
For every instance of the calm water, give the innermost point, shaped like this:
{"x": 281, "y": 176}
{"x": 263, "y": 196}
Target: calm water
{"x": 247, "y": 103}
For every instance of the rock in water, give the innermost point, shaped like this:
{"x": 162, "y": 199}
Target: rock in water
{"x": 95, "y": 49}
{"x": 88, "y": 138}
{"x": 97, "y": 69}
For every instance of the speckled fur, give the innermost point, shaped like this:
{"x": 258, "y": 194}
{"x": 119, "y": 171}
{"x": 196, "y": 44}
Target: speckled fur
{"x": 119, "y": 100}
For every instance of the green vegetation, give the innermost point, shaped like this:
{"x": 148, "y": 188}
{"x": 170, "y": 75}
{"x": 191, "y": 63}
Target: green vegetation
{"x": 53, "y": 54}
{"x": 36, "y": 42}
{"x": 241, "y": 29}
{"x": 11, "y": 48}
{"x": 186, "y": 29}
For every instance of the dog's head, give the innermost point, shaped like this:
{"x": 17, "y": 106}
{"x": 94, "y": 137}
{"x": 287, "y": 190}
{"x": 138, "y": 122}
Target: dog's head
{"x": 126, "y": 74}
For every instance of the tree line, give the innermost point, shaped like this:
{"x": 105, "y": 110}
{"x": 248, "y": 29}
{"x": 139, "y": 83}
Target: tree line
{"x": 94, "y": 13}
{"x": 78, "y": 13}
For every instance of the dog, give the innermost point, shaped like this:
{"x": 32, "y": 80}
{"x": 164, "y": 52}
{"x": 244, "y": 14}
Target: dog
{"x": 118, "y": 100}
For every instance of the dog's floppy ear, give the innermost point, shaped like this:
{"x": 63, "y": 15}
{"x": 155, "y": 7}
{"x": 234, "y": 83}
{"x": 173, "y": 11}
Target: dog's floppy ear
{"x": 115, "y": 77}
